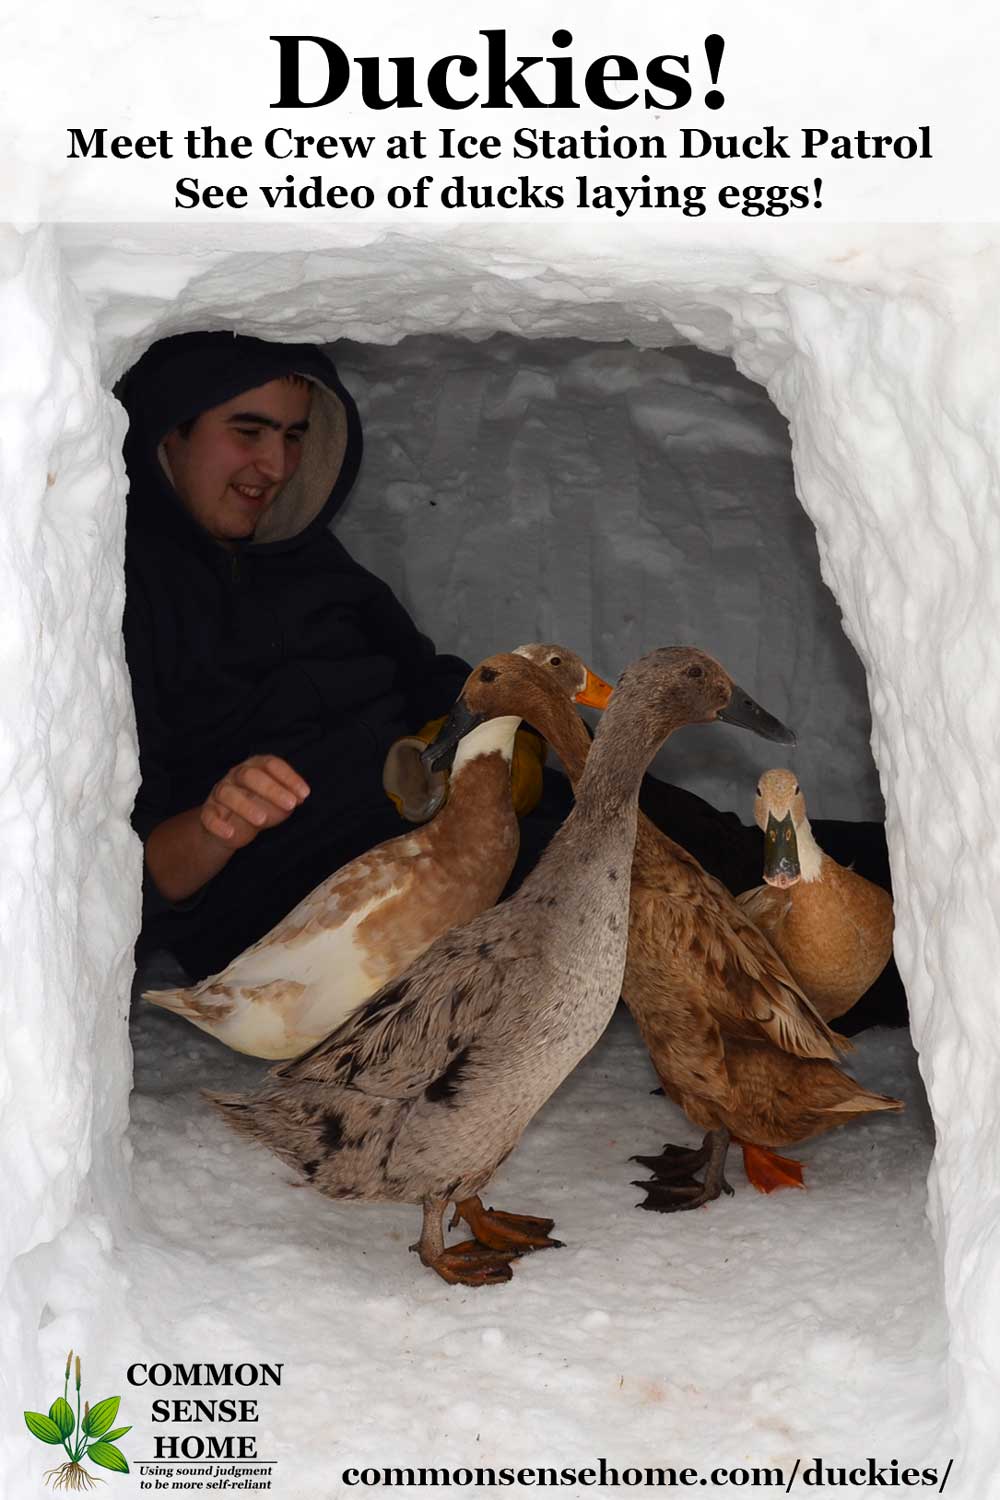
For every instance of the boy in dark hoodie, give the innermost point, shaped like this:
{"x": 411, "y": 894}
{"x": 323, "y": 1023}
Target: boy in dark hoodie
{"x": 270, "y": 672}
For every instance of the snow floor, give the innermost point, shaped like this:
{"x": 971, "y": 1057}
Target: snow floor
{"x": 751, "y": 1332}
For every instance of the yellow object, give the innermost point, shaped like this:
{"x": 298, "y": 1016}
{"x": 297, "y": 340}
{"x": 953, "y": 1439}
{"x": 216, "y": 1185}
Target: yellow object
{"x": 525, "y": 770}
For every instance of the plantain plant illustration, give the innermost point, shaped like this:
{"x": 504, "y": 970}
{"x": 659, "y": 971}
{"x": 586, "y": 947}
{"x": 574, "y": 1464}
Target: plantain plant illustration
{"x": 83, "y": 1436}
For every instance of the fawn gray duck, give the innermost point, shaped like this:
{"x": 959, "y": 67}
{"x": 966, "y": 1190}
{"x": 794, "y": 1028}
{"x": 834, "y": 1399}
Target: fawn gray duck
{"x": 426, "y": 1089}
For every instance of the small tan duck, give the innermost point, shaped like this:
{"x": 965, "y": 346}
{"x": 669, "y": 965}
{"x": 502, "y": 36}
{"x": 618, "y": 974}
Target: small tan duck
{"x": 733, "y": 1037}
{"x": 369, "y": 919}
{"x": 832, "y": 927}
{"x": 419, "y": 1096}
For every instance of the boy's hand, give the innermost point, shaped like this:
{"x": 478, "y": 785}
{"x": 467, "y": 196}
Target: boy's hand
{"x": 261, "y": 792}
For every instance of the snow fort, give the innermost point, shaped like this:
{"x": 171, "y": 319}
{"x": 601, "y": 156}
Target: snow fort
{"x": 786, "y": 456}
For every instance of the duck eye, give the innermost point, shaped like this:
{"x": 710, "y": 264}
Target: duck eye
{"x": 488, "y": 674}
{"x": 555, "y": 661}
{"x": 694, "y": 672}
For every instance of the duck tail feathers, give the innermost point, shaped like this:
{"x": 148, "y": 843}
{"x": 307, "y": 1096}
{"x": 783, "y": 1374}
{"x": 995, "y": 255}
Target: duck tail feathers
{"x": 237, "y": 1110}
{"x": 175, "y": 1000}
{"x": 863, "y": 1101}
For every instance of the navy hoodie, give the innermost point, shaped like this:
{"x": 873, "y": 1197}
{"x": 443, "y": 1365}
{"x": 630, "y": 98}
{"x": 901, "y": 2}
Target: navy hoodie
{"x": 282, "y": 645}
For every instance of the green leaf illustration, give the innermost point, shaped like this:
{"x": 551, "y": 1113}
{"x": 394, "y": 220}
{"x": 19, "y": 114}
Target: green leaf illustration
{"x": 43, "y": 1427}
{"x": 101, "y": 1416}
{"x": 109, "y": 1437}
{"x": 62, "y": 1415}
{"x": 108, "y": 1456}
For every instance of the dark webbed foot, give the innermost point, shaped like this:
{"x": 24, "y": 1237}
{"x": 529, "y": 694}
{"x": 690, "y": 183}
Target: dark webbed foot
{"x": 508, "y": 1233}
{"x": 676, "y": 1163}
{"x": 671, "y": 1200}
{"x": 673, "y": 1189}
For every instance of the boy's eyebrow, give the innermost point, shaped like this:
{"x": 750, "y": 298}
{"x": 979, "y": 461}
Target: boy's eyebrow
{"x": 261, "y": 420}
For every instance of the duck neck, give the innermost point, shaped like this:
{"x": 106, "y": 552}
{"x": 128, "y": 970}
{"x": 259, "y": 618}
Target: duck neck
{"x": 558, "y": 722}
{"x": 479, "y": 788}
{"x": 479, "y": 804}
{"x": 627, "y": 739}
{"x": 496, "y": 735}
{"x": 810, "y": 854}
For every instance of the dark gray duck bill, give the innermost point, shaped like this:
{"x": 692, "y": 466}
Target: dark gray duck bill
{"x": 748, "y": 714}
{"x": 781, "y": 849}
{"x": 441, "y": 751}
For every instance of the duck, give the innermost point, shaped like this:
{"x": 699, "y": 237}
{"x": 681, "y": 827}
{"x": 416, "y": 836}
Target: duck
{"x": 371, "y": 918}
{"x": 832, "y": 927}
{"x": 733, "y": 1036}
{"x": 421, "y": 1094}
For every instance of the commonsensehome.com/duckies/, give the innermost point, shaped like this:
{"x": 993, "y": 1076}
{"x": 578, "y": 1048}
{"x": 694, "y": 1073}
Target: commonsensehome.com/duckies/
{"x": 811, "y": 1473}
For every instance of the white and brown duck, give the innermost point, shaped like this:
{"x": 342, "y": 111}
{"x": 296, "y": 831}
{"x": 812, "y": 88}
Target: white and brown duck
{"x": 422, "y": 1093}
{"x": 370, "y": 919}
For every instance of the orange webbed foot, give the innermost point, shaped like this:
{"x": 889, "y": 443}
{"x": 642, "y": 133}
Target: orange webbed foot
{"x": 512, "y": 1234}
{"x": 767, "y": 1171}
{"x": 472, "y": 1264}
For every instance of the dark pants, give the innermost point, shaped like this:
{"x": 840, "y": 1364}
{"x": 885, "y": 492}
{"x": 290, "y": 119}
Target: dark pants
{"x": 265, "y": 880}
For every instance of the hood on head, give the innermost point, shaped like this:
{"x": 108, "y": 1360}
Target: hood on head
{"x": 180, "y": 377}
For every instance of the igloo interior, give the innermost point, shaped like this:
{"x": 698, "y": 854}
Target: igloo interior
{"x": 564, "y": 406}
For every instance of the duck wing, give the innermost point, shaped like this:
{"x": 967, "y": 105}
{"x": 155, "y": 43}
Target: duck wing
{"x": 417, "y": 1030}
{"x": 738, "y": 977}
{"x": 766, "y": 907}
{"x": 758, "y": 983}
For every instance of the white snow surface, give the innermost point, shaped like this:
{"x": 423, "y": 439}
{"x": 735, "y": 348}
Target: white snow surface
{"x": 880, "y": 349}
{"x": 69, "y": 886}
{"x": 752, "y": 1332}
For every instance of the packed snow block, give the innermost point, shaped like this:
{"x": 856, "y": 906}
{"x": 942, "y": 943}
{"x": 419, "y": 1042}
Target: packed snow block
{"x": 69, "y": 874}
{"x": 612, "y": 498}
{"x": 896, "y": 428}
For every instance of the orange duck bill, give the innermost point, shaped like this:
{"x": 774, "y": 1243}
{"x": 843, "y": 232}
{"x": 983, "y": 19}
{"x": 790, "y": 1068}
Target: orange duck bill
{"x": 595, "y": 693}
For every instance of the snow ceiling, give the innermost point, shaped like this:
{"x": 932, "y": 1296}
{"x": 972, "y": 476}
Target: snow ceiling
{"x": 876, "y": 342}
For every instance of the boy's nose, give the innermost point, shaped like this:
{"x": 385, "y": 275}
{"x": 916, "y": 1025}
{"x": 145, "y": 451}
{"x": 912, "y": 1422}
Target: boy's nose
{"x": 270, "y": 461}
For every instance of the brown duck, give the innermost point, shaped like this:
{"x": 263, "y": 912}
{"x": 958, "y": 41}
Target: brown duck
{"x": 424, "y": 1091}
{"x": 732, "y": 1035}
{"x": 832, "y": 927}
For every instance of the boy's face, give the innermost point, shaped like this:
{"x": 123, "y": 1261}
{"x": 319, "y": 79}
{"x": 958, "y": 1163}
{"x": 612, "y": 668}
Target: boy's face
{"x": 237, "y": 456}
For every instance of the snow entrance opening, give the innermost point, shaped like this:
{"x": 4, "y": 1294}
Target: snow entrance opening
{"x": 799, "y": 1325}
